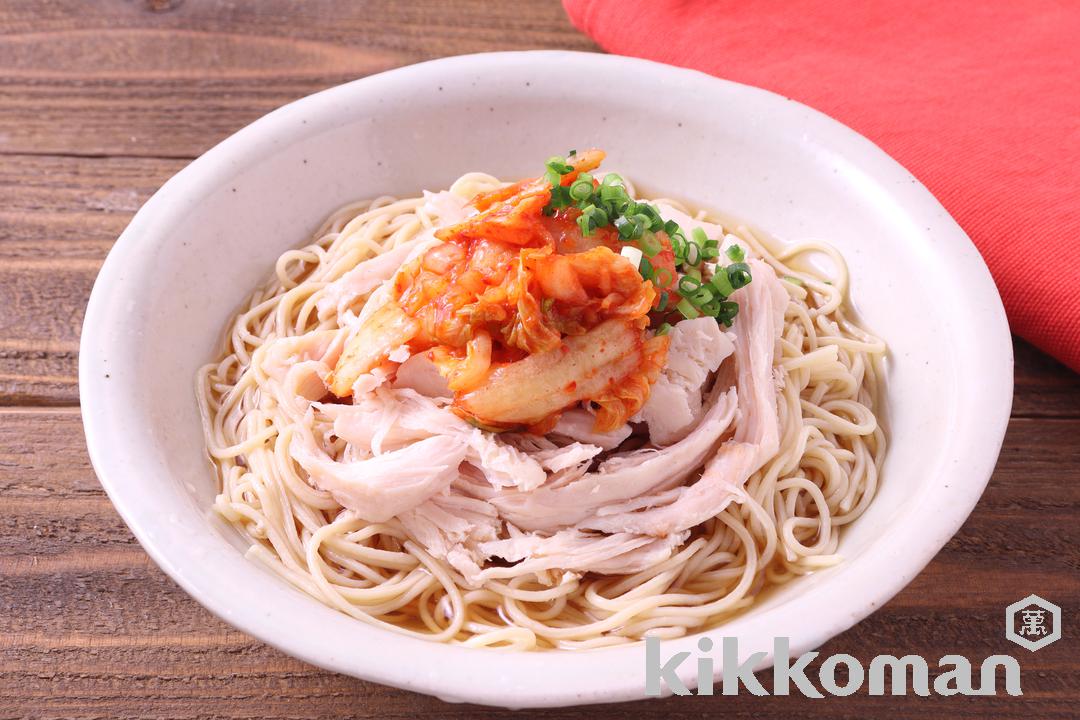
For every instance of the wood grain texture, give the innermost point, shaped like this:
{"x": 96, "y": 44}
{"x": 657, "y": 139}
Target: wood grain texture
{"x": 94, "y": 77}
{"x": 100, "y": 102}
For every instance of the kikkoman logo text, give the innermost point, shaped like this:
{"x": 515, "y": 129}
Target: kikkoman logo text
{"x": 1032, "y": 623}
{"x": 910, "y": 672}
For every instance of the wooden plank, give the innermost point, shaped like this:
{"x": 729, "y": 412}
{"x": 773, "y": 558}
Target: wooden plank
{"x": 59, "y": 218}
{"x": 43, "y": 301}
{"x": 130, "y": 81}
{"x": 1043, "y": 386}
{"x": 72, "y": 207}
{"x": 90, "y": 627}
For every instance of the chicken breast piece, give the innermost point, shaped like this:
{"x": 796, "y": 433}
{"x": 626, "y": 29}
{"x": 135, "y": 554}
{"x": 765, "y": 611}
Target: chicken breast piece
{"x": 757, "y": 436}
{"x": 381, "y": 487}
{"x": 697, "y": 348}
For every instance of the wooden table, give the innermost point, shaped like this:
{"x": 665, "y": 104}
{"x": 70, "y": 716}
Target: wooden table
{"x": 100, "y": 102}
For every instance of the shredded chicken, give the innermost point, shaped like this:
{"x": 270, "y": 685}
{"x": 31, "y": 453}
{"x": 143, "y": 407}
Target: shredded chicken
{"x": 697, "y": 348}
{"x": 757, "y": 436}
{"x": 380, "y": 487}
{"x": 502, "y": 381}
{"x": 577, "y": 424}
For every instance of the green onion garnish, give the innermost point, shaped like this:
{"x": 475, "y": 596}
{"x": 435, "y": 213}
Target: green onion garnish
{"x": 560, "y": 196}
{"x": 650, "y": 244}
{"x": 721, "y": 283}
{"x": 678, "y": 247}
{"x": 625, "y": 228}
{"x": 664, "y": 329}
{"x": 688, "y": 284}
{"x": 646, "y": 269}
{"x": 727, "y": 312}
{"x": 612, "y": 193}
{"x": 693, "y": 254}
{"x": 558, "y": 164}
{"x": 689, "y": 311}
{"x": 793, "y": 280}
{"x": 712, "y": 307}
{"x": 664, "y": 277}
{"x": 607, "y": 202}
{"x": 582, "y": 188}
{"x": 738, "y": 275}
{"x": 701, "y": 297}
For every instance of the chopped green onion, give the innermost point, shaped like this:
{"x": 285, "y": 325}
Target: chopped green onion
{"x": 701, "y": 297}
{"x": 712, "y": 307}
{"x": 664, "y": 329}
{"x": 625, "y": 228}
{"x": 688, "y": 284}
{"x": 664, "y": 277}
{"x": 721, "y": 283}
{"x": 650, "y": 244}
{"x": 558, "y": 164}
{"x": 710, "y": 250}
{"x": 689, "y": 311}
{"x": 693, "y": 253}
{"x": 591, "y": 217}
{"x": 738, "y": 275}
{"x": 582, "y": 188}
{"x": 608, "y": 202}
{"x": 642, "y": 222}
{"x": 793, "y": 280}
{"x": 678, "y": 246}
{"x": 612, "y": 193}
{"x": 727, "y": 312}
{"x": 646, "y": 269}
{"x": 560, "y": 197}
{"x": 583, "y": 224}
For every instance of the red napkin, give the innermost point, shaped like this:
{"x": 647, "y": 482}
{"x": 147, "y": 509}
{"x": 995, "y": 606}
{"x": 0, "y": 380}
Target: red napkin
{"x": 980, "y": 100}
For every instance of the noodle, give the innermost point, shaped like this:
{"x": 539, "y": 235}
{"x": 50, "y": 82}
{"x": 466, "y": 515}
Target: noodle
{"x": 786, "y": 520}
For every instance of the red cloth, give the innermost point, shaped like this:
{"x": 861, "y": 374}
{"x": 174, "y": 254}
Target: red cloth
{"x": 980, "y": 100}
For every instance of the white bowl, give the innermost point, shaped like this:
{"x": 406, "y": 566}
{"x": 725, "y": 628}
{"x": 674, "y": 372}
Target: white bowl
{"x": 212, "y": 233}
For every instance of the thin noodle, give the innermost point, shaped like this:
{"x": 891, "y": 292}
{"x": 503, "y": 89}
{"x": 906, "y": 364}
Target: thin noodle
{"x": 786, "y": 521}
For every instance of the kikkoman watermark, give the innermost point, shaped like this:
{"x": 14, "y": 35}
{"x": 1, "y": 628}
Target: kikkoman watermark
{"x": 1031, "y": 622}
{"x": 909, "y": 671}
